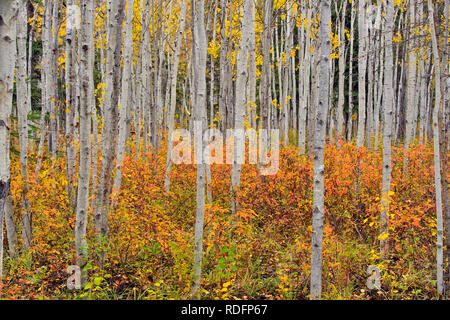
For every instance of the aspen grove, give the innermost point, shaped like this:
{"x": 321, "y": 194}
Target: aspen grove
{"x": 224, "y": 149}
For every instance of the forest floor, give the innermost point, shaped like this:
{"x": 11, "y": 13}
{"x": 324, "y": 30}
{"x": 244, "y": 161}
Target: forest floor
{"x": 262, "y": 252}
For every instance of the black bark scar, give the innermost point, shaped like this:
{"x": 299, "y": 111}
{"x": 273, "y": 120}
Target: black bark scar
{"x": 3, "y": 124}
{"x": 4, "y": 188}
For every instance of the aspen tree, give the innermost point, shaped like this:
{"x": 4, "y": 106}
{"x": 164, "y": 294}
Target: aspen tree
{"x": 362, "y": 69}
{"x": 23, "y": 107}
{"x": 8, "y": 16}
{"x": 438, "y": 109}
{"x": 350, "y": 77}
{"x": 341, "y": 85}
{"x": 252, "y": 66}
{"x": 125, "y": 96}
{"x": 109, "y": 134}
{"x": 173, "y": 90}
{"x": 306, "y": 97}
{"x": 411, "y": 84}
{"x": 266, "y": 70}
{"x": 319, "y": 151}
{"x": 240, "y": 103}
{"x": 388, "y": 102}
{"x": 199, "y": 109}
{"x": 289, "y": 35}
{"x": 45, "y": 79}
{"x": 71, "y": 105}
{"x": 86, "y": 83}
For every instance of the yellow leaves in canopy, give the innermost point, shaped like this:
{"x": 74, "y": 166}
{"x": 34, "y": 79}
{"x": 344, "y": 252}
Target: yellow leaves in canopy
{"x": 274, "y": 102}
{"x": 259, "y": 60}
{"x": 398, "y": 37}
{"x": 293, "y": 51}
{"x": 279, "y": 4}
{"x": 214, "y": 49}
{"x": 347, "y": 34}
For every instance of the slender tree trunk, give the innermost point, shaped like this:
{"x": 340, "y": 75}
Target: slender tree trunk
{"x": 86, "y": 84}
{"x": 350, "y": 77}
{"x": 319, "y": 152}
{"x": 71, "y": 105}
{"x": 199, "y": 63}
{"x": 342, "y": 60}
{"x": 411, "y": 86}
{"x": 23, "y": 107}
{"x": 173, "y": 90}
{"x": 362, "y": 68}
{"x": 306, "y": 97}
{"x": 125, "y": 97}
{"x": 387, "y": 129}
{"x": 8, "y": 16}
{"x": 240, "y": 104}
{"x": 109, "y": 134}
{"x": 266, "y": 70}
{"x": 437, "y": 119}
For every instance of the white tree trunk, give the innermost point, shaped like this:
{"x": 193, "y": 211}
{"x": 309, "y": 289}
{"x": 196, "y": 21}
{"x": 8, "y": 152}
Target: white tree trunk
{"x": 109, "y": 134}
{"x": 342, "y": 66}
{"x": 362, "y": 68}
{"x": 71, "y": 105}
{"x": 173, "y": 90}
{"x": 437, "y": 161}
{"x": 240, "y": 102}
{"x": 125, "y": 97}
{"x": 306, "y": 97}
{"x": 86, "y": 84}
{"x": 388, "y": 103}
{"x": 23, "y": 107}
{"x": 319, "y": 152}
{"x": 199, "y": 67}
{"x": 411, "y": 85}
{"x": 8, "y": 16}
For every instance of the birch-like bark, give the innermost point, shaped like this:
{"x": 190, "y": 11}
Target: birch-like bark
{"x": 422, "y": 78}
{"x": 45, "y": 79}
{"x": 223, "y": 65}
{"x": 266, "y": 70}
{"x": 350, "y": 77}
{"x": 411, "y": 84}
{"x": 125, "y": 97}
{"x": 212, "y": 70}
{"x": 379, "y": 84}
{"x": 23, "y": 107}
{"x": 438, "y": 109}
{"x": 173, "y": 90}
{"x": 288, "y": 43}
{"x": 71, "y": 76}
{"x": 109, "y": 134}
{"x": 53, "y": 81}
{"x": 240, "y": 103}
{"x": 86, "y": 84}
{"x": 341, "y": 81}
{"x": 199, "y": 67}
{"x": 306, "y": 85}
{"x": 319, "y": 152}
{"x": 8, "y": 18}
{"x": 387, "y": 129}
{"x": 362, "y": 69}
{"x": 445, "y": 140}
{"x": 252, "y": 66}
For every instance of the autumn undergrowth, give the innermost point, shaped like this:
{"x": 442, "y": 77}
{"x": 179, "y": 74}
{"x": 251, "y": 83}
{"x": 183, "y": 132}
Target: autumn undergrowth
{"x": 262, "y": 252}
